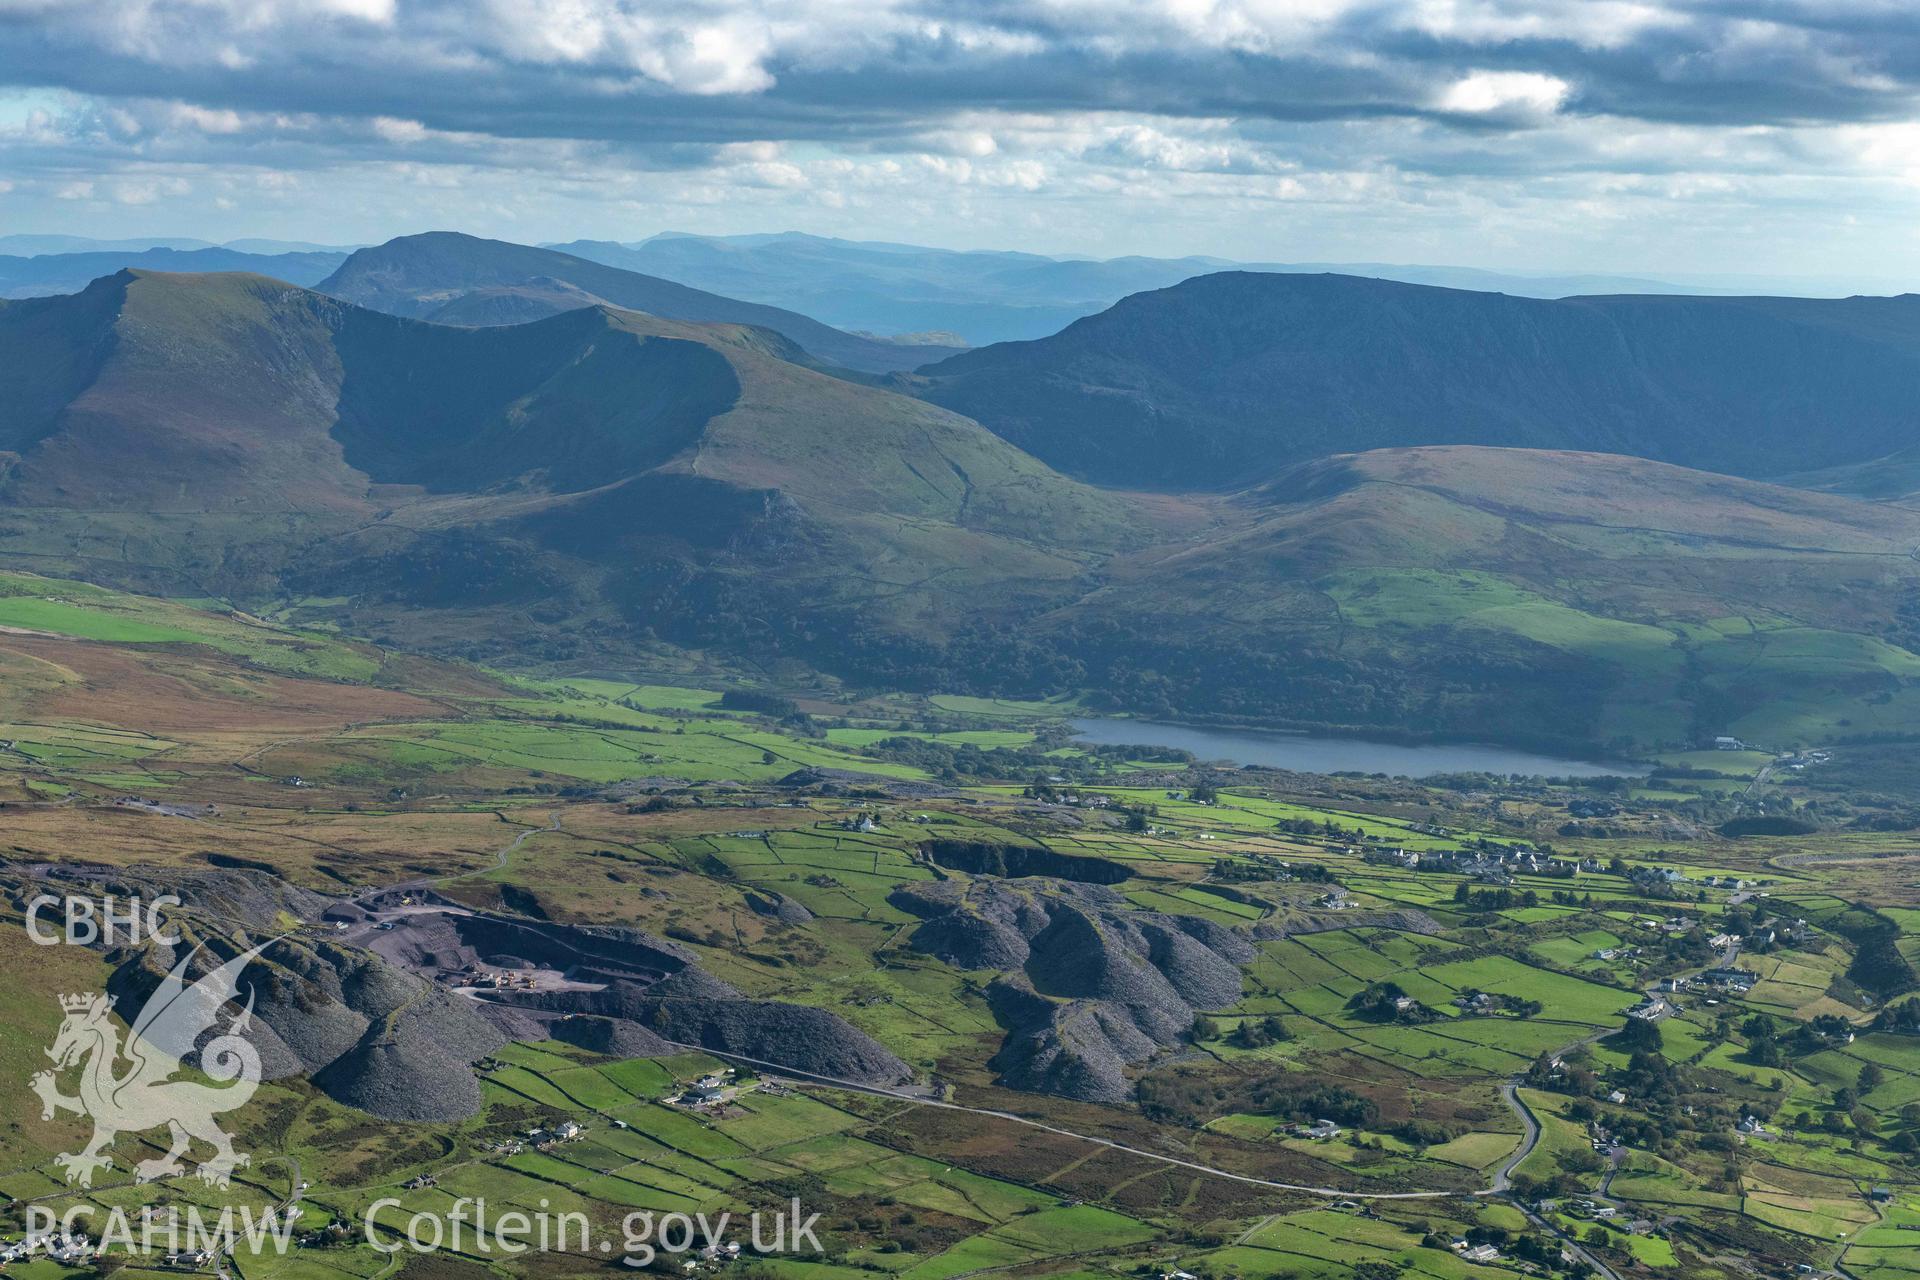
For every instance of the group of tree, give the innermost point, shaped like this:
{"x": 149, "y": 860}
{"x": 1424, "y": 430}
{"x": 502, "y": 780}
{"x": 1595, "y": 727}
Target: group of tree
{"x": 1900, "y": 1018}
{"x": 1388, "y": 1002}
{"x": 1499, "y": 898}
{"x": 1258, "y": 1033}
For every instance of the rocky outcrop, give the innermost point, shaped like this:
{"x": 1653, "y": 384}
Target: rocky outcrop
{"x": 1016, "y": 861}
{"x": 1088, "y": 986}
{"x": 766, "y": 902}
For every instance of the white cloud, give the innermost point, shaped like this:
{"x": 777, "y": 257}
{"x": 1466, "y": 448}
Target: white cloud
{"x": 1280, "y": 128}
{"x": 185, "y": 115}
{"x": 394, "y": 129}
{"x": 1504, "y": 92}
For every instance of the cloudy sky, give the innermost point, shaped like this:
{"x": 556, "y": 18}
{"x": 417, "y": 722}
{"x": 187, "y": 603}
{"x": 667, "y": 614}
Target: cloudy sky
{"x": 1668, "y": 136}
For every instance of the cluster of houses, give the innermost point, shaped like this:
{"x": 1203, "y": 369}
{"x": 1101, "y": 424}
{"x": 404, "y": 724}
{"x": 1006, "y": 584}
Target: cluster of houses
{"x": 1599, "y": 1137}
{"x": 1599, "y": 1211}
{"x": 717, "y": 1253}
{"x": 72, "y": 1249}
{"x": 1652, "y": 1009}
{"x": 1482, "y": 1253}
{"x": 708, "y": 1091}
{"x": 1495, "y": 866}
{"x": 546, "y": 1138}
{"x": 1736, "y": 981}
{"x": 331, "y": 1236}
{"x": 1317, "y": 1131}
{"x": 188, "y": 1259}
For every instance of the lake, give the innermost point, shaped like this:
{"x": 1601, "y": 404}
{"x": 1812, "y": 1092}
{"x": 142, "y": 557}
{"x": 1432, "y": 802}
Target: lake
{"x": 1306, "y": 753}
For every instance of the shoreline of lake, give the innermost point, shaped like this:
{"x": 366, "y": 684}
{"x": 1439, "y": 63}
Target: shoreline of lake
{"x": 1317, "y": 753}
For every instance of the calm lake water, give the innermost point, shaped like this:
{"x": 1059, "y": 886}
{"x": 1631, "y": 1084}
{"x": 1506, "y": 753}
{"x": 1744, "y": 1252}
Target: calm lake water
{"x": 1308, "y": 754}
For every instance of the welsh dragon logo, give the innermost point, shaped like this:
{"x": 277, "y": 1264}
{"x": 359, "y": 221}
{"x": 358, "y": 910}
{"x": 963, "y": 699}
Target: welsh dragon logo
{"x": 129, "y": 1088}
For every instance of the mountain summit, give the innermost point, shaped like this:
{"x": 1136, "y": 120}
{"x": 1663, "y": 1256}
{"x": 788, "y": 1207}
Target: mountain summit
{"x": 462, "y": 279}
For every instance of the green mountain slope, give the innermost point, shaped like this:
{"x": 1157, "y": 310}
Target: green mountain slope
{"x": 1214, "y": 382}
{"x": 599, "y": 484}
{"x": 460, "y": 279}
{"x": 1518, "y": 592}
{"x": 233, "y": 434}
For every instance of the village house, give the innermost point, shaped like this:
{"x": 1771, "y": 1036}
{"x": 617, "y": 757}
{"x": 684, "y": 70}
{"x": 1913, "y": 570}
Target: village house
{"x": 1735, "y": 980}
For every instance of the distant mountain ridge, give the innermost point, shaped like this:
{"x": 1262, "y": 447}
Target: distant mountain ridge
{"x": 29, "y": 245}
{"x": 69, "y": 272}
{"x": 436, "y": 276}
{"x": 1217, "y": 381}
{"x": 995, "y": 296}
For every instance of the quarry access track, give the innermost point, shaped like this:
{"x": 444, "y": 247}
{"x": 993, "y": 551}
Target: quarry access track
{"x": 1498, "y": 1187}
{"x": 1501, "y": 1185}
